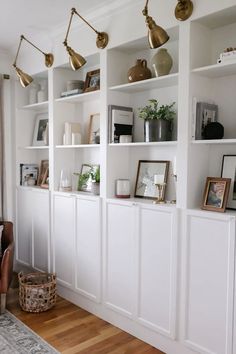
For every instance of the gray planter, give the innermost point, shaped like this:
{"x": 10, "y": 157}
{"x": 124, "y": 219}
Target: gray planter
{"x": 157, "y": 130}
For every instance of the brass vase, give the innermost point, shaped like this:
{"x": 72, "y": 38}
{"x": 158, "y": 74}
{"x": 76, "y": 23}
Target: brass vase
{"x": 140, "y": 71}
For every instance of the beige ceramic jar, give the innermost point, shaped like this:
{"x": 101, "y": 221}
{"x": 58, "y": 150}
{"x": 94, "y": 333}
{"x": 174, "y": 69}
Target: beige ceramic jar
{"x": 162, "y": 62}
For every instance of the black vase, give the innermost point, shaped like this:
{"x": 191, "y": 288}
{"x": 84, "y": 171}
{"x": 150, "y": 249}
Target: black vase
{"x": 157, "y": 130}
{"x": 213, "y": 130}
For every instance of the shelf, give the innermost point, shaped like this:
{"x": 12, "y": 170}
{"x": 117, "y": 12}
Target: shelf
{"x": 34, "y": 188}
{"x": 81, "y": 146}
{"x": 36, "y": 106}
{"x": 82, "y": 97}
{"x": 141, "y": 201}
{"x": 154, "y": 83}
{"x": 216, "y": 70}
{"x": 34, "y": 147}
{"x": 214, "y": 141}
{"x": 78, "y": 194}
{"x": 143, "y": 144}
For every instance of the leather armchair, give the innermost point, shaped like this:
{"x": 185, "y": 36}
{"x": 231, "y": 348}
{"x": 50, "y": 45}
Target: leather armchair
{"x": 6, "y": 261}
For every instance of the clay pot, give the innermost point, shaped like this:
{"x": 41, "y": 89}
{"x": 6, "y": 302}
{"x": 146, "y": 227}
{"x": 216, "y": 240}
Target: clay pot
{"x": 139, "y": 72}
{"x": 162, "y": 62}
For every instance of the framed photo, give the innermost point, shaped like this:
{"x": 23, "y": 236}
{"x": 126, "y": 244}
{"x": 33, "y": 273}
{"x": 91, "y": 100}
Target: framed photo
{"x": 94, "y": 129}
{"x": 205, "y": 113}
{"x": 40, "y": 130}
{"x": 43, "y": 174}
{"x": 92, "y": 81}
{"x": 85, "y": 178}
{"x": 147, "y": 169}
{"x": 216, "y": 194}
{"x": 229, "y": 171}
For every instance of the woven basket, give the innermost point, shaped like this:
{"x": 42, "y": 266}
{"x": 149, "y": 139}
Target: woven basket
{"x": 37, "y": 291}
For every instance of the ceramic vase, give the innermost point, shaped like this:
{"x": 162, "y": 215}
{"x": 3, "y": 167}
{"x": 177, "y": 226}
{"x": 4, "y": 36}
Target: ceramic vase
{"x": 162, "y": 62}
{"x": 140, "y": 71}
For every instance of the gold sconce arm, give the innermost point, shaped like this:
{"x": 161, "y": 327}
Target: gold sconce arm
{"x": 183, "y": 10}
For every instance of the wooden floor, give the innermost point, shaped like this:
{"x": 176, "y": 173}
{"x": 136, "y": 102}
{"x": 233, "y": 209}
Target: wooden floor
{"x": 72, "y": 330}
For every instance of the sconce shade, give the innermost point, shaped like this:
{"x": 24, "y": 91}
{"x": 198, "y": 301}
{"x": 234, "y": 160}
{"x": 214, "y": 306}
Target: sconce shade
{"x": 102, "y": 40}
{"x": 49, "y": 59}
{"x": 76, "y": 60}
{"x": 157, "y": 36}
{"x": 25, "y": 79}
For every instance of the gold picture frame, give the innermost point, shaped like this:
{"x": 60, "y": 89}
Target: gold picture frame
{"x": 216, "y": 194}
{"x": 43, "y": 174}
{"x": 92, "y": 81}
{"x": 94, "y": 129}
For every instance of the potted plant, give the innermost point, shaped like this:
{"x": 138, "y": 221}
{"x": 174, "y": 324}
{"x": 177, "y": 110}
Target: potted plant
{"x": 157, "y": 120}
{"x": 95, "y": 177}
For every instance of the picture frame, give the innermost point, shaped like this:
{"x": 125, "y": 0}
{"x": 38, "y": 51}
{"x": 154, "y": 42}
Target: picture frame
{"x": 92, "y": 81}
{"x": 40, "y": 130}
{"x": 228, "y": 170}
{"x": 94, "y": 129}
{"x": 147, "y": 169}
{"x": 43, "y": 174}
{"x": 85, "y": 178}
{"x": 205, "y": 113}
{"x": 216, "y": 194}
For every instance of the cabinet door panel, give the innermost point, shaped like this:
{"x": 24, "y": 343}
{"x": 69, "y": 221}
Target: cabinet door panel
{"x": 209, "y": 285}
{"x": 40, "y": 256}
{"x": 24, "y": 226}
{"x": 157, "y": 270}
{"x": 120, "y": 258}
{"x": 88, "y": 248}
{"x": 64, "y": 238}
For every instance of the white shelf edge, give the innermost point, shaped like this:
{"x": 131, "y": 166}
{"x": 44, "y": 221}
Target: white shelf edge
{"x": 154, "y": 143}
{"x": 144, "y": 82}
{"x": 33, "y": 147}
{"x": 218, "y": 68}
{"x": 79, "y": 97}
{"x": 143, "y": 201}
{"x": 214, "y": 141}
{"x": 35, "y": 106}
{"x": 81, "y": 146}
{"x": 78, "y": 194}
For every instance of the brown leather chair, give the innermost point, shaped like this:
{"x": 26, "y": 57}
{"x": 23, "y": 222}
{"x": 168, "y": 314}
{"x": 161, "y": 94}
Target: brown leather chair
{"x": 6, "y": 261}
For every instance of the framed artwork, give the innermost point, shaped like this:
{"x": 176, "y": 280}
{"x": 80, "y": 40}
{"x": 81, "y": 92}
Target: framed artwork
{"x": 94, "y": 129}
{"x": 229, "y": 171}
{"x": 43, "y": 174}
{"x": 216, "y": 194}
{"x": 85, "y": 178}
{"x": 147, "y": 170}
{"x": 92, "y": 81}
{"x": 205, "y": 113}
{"x": 40, "y": 130}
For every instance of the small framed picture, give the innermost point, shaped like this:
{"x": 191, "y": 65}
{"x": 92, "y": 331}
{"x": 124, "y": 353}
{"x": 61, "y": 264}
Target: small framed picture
{"x": 216, "y": 194}
{"x": 205, "y": 113}
{"x": 92, "y": 81}
{"x": 94, "y": 129}
{"x": 229, "y": 171}
{"x": 40, "y": 130}
{"x": 147, "y": 170}
{"x": 85, "y": 177}
{"x": 43, "y": 174}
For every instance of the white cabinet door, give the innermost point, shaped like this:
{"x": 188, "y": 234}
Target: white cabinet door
{"x": 24, "y": 226}
{"x": 88, "y": 247}
{"x": 119, "y": 272}
{"x": 157, "y": 268}
{"x": 209, "y": 282}
{"x": 40, "y": 236}
{"x": 64, "y": 238}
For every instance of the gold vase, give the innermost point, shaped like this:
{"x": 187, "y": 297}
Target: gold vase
{"x": 140, "y": 71}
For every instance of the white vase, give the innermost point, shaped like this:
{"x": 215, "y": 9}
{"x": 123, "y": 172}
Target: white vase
{"x": 162, "y": 62}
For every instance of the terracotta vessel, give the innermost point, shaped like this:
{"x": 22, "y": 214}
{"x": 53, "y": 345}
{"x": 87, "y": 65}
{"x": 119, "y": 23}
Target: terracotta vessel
{"x": 139, "y": 72}
{"x": 162, "y": 62}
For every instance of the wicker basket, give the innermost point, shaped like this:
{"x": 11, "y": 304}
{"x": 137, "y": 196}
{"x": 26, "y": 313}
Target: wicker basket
{"x": 37, "y": 291}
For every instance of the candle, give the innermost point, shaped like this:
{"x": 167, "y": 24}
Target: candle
{"x": 158, "y": 179}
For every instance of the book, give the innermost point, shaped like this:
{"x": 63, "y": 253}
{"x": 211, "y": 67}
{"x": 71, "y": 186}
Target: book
{"x": 120, "y": 119}
{"x": 26, "y": 171}
{"x": 71, "y": 92}
{"x": 205, "y": 113}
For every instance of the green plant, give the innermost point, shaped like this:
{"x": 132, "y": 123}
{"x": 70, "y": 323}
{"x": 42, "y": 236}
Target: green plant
{"x": 153, "y": 111}
{"x": 82, "y": 180}
{"x": 95, "y": 174}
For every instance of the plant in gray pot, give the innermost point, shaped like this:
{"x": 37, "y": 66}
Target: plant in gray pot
{"x": 95, "y": 176}
{"x": 158, "y": 121}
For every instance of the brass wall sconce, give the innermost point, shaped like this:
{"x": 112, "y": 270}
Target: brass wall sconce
{"x": 183, "y": 10}
{"x": 76, "y": 60}
{"x": 157, "y": 36}
{"x": 26, "y": 79}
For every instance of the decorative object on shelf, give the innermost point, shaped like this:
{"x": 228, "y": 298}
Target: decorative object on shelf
{"x": 139, "y": 71}
{"x": 43, "y": 177}
{"x": 94, "y": 129}
{"x": 162, "y": 62}
{"x": 28, "y": 171}
{"x": 76, "y": 139}
{"x": 33, "y": 93}
{"x": 145, "y": 185}
{"x": 70, "y": 129}
{"x": 43, "y": 92}
{"x": 92, "y": 81}
{"x": 228, "y": 56}
{"x": 76, "y": 60}
{"x": 205, "y": 113}
{"x": 213, "y": 130}
{"x": 183, "y": 10}
{"x": 161, "y": 188}
{"x": 157, "y": 36}
{"x": 122, "y": 188}
{"x": 228, "y": 171}
{"x": 74, "y": 84}
{"x": 120, "y": 122}
{"x": 85, "y": 177}
{"x": 125, "y": 139}
{"x": 65, "y": 181}
{"x": 41, "y": 123}
{"x": 26, "y": 79}
{"x": 157, "y": 121}
{"x": 95, "y": 177}
{"x": 216, "y": 194}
